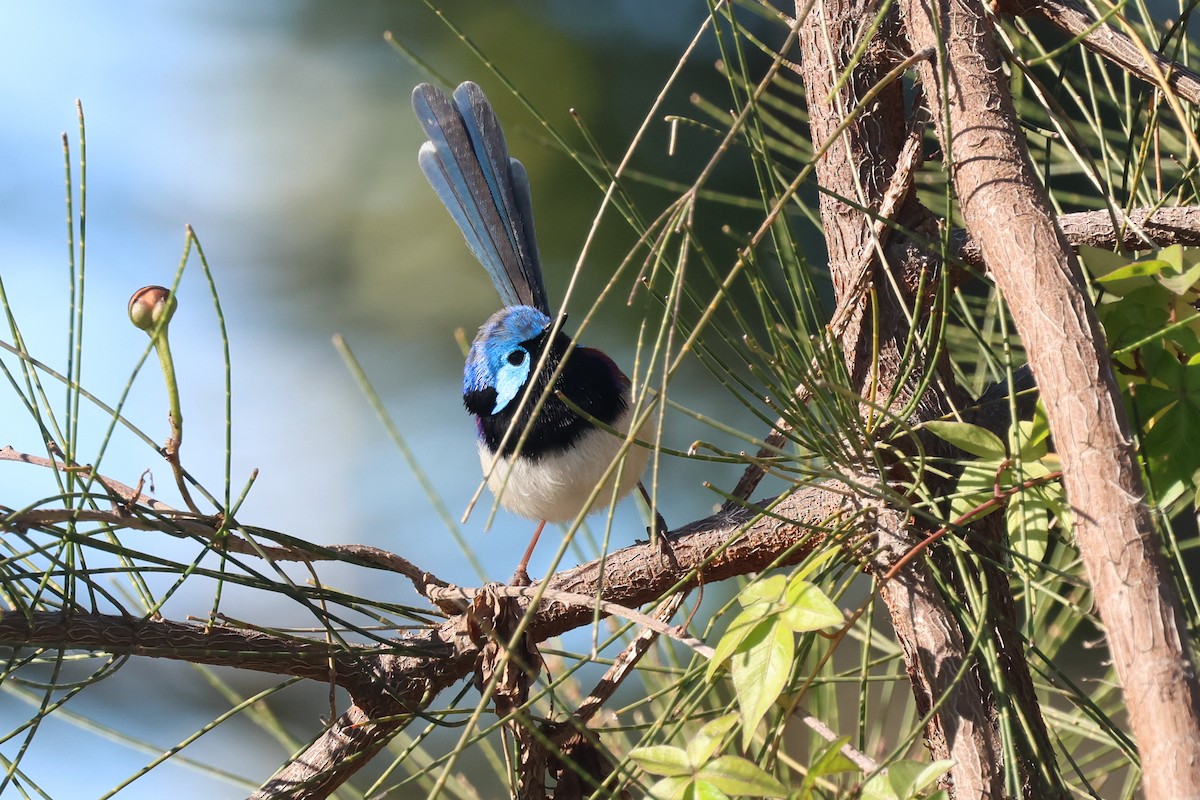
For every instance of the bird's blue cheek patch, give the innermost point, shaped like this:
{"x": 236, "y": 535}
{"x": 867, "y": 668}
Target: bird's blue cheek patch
{"x": 510, "y": 379}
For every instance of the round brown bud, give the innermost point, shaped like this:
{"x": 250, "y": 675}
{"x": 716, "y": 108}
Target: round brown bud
{"x": 148, "y": 305}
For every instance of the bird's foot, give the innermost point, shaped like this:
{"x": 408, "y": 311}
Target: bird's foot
{"x": 520, "y": 578}
{"x": 666, "y": 552}
{"x": 660, "y": 528}
{"x": 659, "y": 534}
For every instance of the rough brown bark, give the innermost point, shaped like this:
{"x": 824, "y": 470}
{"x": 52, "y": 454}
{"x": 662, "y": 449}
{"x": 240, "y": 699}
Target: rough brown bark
{"x": 1078, "y": 21}
{"x": 858, "y": 165}
{"x": 963, "y": 727}
{"x": 1007, "y": 213}
{"x": 1145, "y": 228}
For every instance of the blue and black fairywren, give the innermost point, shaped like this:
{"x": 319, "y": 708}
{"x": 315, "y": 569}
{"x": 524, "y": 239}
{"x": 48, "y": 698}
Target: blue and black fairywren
{"x": 564, "y": 456}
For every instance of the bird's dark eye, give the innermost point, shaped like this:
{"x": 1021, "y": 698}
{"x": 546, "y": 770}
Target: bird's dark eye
{"x": 516, "y": 358}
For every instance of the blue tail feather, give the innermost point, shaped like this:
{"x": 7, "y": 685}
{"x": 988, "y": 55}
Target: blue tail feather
{"x": 486, "y": 192}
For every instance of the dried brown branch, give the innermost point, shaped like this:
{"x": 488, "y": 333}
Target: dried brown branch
{"x": 130, "y": 507}
{"x": 355, "y": 671}
{"x": 445, "y": 596}
{"x": 961, "y": 717}
{"x": 1078, "y": 21}
{"x": 631, "y": 577}
{"x": 1143, "y": 229}
{"x": 721, "y": 546}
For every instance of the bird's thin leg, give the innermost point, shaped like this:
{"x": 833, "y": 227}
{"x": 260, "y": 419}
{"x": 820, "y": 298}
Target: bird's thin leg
{"x": 521, "y": 577}
{"x": 660, "y": 529}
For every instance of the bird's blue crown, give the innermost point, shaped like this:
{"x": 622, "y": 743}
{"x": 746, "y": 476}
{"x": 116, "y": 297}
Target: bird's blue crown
{"x": 500, "y": 357}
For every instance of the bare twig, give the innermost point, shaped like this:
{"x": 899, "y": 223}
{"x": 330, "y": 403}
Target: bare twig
{"x": 1078, "y": 21}
{"x": 129, "y": 504}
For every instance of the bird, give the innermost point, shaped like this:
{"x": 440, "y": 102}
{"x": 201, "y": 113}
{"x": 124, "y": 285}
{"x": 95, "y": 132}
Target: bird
{"x": 550, "y": 476}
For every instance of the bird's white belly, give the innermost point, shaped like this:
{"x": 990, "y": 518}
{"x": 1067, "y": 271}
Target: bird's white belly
{"x": 555, "y": 487}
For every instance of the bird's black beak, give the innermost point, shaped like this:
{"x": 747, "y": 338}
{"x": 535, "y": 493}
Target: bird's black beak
{"x": 544, "y": 337}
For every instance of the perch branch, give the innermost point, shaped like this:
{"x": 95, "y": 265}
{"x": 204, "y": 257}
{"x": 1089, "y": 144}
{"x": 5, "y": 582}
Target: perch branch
{"x": 200, "y": 644}
{"x": 388, "y": 687}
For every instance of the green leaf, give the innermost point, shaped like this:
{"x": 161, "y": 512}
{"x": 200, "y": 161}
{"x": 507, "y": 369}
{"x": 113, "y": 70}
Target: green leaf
{"x": 760, "y": 671}
{"x": 1169, "y": 416}
{"x": 1041, "y": 425}
{"x": 976, "y": 485}
{"x": 1185, "y": 339}
{"x": 1033, "y": 441}
{"x": 879, "y": 788}
{"x": 970, "y": 438}
{"x": 1028, "y": 519}
{"x": 673, "y": 788}
{"x": 1039, "y": 467}
{"x": 731, "y": 642}
{"x": 1181, "y": 273}
{"x": 930, "y": 774}
{"x": 709, "y": 738}
{"x": 703, "y": 790}
{"x": 909, "y": 778}
{"x": 1136, "y": 269}
{"x": 1138, "y": 315}
{"x": 809, "y": 608}
{"x": 662, "y": 759}
{"x": 1180, "y": 283}
{"x": 829, "y": 760}
{"x": 904, "y": 780}
{"x": 764, "y": 590}
{"x": 735, "y": 775}
{"x": 761, "y": 599}
{"x": 1102, "y": 263}
{"x": 1155, "y": 360}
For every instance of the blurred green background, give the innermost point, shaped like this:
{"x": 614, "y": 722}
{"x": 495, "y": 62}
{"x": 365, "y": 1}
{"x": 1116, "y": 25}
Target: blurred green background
{"x": 282, "y": 132}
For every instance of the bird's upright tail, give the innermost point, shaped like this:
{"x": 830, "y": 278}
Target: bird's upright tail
{"x": 486, "y": 191}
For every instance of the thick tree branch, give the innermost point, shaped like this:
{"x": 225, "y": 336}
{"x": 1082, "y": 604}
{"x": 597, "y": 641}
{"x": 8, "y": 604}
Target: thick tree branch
{"x": 1007, "y": 212}
{"x": 839, "y": 67}
{"x": 716, "y": 548}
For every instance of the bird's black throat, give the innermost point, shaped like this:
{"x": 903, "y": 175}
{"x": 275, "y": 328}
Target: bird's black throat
{"x": 590, "y": 380}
